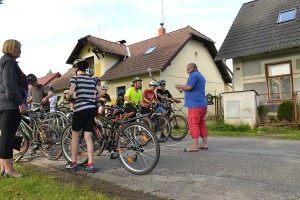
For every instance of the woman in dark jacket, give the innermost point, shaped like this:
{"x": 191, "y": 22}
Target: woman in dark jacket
{"x": 13, "y": 95}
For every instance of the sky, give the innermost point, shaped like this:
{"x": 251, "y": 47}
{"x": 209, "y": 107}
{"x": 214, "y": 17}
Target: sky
{"x": 49, "y": 30}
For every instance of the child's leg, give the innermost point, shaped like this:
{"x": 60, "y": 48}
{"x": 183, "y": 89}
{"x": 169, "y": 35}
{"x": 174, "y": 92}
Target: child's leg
{"x": 90, "y": 146}
{"x": 74, "y": 145}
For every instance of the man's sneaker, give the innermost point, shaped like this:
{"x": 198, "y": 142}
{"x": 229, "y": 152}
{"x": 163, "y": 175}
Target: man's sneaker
{"x": 162, "y": 135}
{"x": 71, "y": 167}
{"x": 90, "y": 169}
{"x": 17, "y": 157}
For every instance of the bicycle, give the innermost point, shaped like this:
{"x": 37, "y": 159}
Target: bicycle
{"x": 179, "y": 124}
{"x": 159, "y": 124}
{"x": 44, "y": 136}
{"x": 133, "y": 143}
{"x": 57, "y": 119}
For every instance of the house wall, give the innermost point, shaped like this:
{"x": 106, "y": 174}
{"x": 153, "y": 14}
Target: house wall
{"x": 250, "y": 73}
{"x": 195, "y": 52}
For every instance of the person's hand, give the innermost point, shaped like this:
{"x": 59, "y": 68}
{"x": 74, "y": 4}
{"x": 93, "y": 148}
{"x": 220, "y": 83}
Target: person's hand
{"x": 22, "y": 109}
{"x": 44, "y": 100}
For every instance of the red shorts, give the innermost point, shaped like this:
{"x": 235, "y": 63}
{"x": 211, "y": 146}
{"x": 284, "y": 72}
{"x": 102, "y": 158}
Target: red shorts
{"x": 196, "y": 120}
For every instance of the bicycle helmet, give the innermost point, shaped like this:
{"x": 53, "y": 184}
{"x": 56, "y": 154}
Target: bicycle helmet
{"x": 136, "y": 79}
{"x": 81, "y": 64}
{"x": 104, "y": 87}
{"x": 161, "y": 82}
{"x": 121, "y": 92}
{"x": 31, "y": 78}
{"x": 153, "y": 83}
{"x": 96, "y": 79}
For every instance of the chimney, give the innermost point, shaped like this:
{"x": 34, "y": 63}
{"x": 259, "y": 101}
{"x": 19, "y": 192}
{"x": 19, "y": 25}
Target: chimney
{"x": 161, "y": 30}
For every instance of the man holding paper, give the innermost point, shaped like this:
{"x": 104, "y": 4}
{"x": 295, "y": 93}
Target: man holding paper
{"x": 196, "y": 103}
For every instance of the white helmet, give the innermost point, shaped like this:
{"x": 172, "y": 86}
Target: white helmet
{"x": 154, "y": 83}
{"x": 104, "y": 87}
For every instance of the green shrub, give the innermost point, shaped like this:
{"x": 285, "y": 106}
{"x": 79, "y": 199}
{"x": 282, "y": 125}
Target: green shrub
{"x": 286, "y": 111}
{"x": 228, "y": 127}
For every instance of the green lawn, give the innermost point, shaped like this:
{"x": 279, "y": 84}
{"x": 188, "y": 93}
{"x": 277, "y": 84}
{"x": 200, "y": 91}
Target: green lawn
{"x": 38, "y": 185}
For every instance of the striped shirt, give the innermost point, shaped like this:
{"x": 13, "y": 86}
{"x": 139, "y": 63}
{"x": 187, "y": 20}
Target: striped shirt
{"x": 85, "y": 92}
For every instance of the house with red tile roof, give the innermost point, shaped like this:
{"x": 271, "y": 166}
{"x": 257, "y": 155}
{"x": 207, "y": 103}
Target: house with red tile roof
{"x": 165, "y": 56}
{"x": 49, "y": 79}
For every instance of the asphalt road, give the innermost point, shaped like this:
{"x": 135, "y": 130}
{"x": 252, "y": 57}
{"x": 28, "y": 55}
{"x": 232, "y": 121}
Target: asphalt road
{"x": 232, "y": 168}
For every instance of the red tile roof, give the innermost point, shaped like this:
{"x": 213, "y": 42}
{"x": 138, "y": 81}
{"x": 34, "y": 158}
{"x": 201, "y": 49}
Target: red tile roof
{"x": 46, "y": 79}
{"x": 63, "y": 82}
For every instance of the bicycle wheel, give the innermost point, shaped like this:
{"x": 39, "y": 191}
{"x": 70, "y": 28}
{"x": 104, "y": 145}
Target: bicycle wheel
{"x": 138, "y": 148}
{"x": 179, "y": 126}
{"x": 101, "y": 140}
{"x": 56, "y": 119}
{"x": 82, "y": 156}
{"x": 49, "y": 141}
{"x": 24, "y": 144}
{"x": 161, "y": 127}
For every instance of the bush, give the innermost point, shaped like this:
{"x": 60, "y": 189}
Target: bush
{"x": 228, "y": 127}
{"x": 286, "y": 111}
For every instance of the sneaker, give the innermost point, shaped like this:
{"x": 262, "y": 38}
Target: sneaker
{"x": 17, "y": 157}
{"x": 71, "y": 167}
{"x": 90, "y": 169}
{"x": 162, "y": 135}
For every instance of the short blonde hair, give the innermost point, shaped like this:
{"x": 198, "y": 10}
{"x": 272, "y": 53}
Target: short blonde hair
{"x": 9, "y": 47}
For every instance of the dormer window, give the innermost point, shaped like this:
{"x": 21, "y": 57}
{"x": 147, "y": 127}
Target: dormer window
{"x": 286, "y": 16}
{"x": 150, "y": 50}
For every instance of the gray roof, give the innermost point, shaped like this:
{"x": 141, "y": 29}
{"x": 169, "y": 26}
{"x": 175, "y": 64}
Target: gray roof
{"x": 255, "y": 29}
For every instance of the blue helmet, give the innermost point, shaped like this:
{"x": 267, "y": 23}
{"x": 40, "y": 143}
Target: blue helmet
{"x": 96, "y": 79}
{"x": 121, "y": 92}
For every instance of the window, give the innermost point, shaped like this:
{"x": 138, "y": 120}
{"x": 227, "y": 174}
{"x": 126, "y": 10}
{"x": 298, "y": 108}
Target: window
{"x": 90, "y": 60}
{"x": 287, "y": 15}
{"x": 279, "y": 79}
{"x": 150, "y": 50}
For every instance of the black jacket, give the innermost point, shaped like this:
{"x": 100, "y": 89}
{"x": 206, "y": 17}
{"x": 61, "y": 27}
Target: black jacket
{"x": 13, "y": 84}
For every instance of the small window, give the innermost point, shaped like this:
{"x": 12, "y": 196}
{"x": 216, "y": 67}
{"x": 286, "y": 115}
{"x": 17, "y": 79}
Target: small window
{"x": 286, "y": 16}
{"x": 150, "y": 50}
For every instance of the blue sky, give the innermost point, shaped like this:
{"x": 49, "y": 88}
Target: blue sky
{"x": 49, "y": 30}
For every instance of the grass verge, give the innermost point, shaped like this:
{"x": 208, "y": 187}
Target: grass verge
{"x": 38, "y": 185}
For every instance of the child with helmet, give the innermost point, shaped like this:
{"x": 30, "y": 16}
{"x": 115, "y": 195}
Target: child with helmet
{"x": 133, "y": 96}
{"x": 84, "y": 112}
{"x": 120, "y": 100}
{"x": 164, "y": 95}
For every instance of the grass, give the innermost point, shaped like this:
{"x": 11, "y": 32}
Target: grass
{"x": 38, "y": 185}
{"x": 222, "y": 129}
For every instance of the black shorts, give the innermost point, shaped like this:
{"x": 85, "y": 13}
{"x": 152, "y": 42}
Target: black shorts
{"x": 129, "y": 108}
{"x": 84, "y": 120}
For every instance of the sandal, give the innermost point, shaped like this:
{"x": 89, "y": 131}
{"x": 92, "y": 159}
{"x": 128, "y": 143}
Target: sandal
{"x": 190, "y": 150}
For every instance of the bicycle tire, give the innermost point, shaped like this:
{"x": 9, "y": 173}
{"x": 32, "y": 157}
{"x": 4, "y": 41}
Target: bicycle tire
{"x": 57, "y": 119}
{"x": 157, "y": 128}
{"x": 100, "y": 144}
{"x": 179, "y": 126}
{"x": 49, "y": 141}
{"x": 24, "y": 144}
{"x": 82, "y": 156}
{"x": 137, "y": 156}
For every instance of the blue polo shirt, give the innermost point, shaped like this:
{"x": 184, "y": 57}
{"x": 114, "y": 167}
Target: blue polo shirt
{"x": 195, "y": 97}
